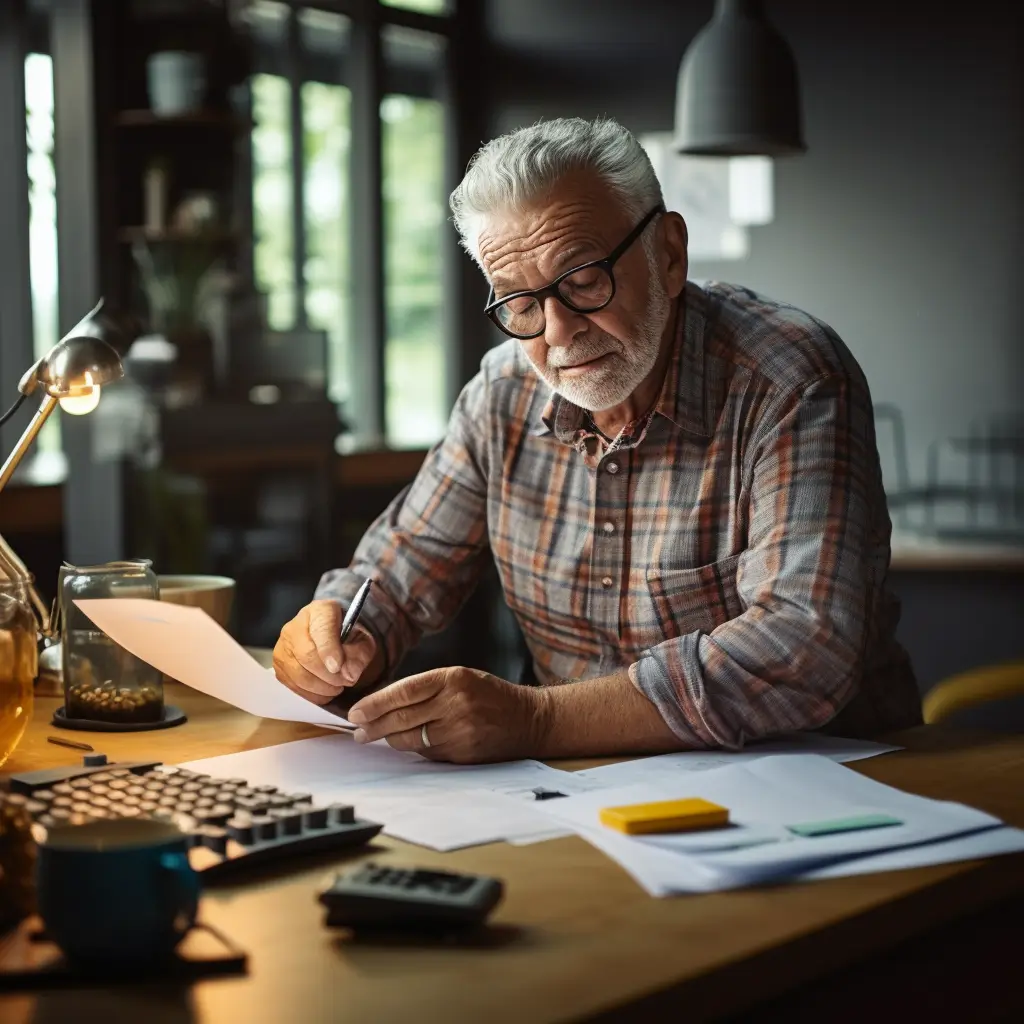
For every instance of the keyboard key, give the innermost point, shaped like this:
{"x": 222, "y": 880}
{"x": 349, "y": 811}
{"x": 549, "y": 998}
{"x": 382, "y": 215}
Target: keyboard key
{"x": 213, "y": 838}
{"x": 218, "y": 814}
{"x": 341, "y": 814}
{"x": 240, "y": 829}
{"x": 315, "y": 818}
{"x": 264, "y": 827}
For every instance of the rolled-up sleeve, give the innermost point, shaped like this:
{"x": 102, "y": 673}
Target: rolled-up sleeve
{"x": 793, "y": 657}
{"x": 426, "y": 550}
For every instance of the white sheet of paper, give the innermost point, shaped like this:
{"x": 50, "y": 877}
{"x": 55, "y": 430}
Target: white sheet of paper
{"x": 763, "y": 796}
{"x": 443, "y": 819}
{"x": 189, "y": 646}
{"x": 661, "y": 873}
{"x": 651, "y": 769}
{"x": 418, "y": 800}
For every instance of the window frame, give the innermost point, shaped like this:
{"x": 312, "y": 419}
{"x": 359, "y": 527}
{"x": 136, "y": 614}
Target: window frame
{"x": 366, "y": 77}
{"x": 16, "y": 334}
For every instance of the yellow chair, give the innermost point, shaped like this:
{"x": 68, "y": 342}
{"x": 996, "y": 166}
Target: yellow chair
{"x": 971, "y": 688}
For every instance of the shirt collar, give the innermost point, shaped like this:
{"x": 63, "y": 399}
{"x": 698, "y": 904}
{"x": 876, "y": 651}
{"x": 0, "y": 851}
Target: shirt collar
{"x": 683, "y": 398}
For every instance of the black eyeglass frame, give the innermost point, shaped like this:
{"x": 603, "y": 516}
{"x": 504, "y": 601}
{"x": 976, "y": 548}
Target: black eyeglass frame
{"x": 540, "y": 294}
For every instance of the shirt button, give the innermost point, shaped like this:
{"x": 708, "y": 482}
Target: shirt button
{"x": 606, "y": 582}
{"x": 612, "y": 467}
{"x": 608, "y": 527}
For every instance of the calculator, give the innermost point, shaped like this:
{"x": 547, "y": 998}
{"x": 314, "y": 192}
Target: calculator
{"x": 228, "y": 823}
{"x": 382, "y": 897}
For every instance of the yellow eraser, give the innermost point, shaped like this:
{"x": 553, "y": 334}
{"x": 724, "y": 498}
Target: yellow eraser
{"x": 665, "y": 816}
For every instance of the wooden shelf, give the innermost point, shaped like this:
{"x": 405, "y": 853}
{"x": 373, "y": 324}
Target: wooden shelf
{"x": 220, "y": 236}
{"x": 193, "y": 119}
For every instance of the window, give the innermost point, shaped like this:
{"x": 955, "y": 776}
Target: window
{"x": 423, "y": 6}
{"x": 414, "y": 222}
{"x": 42, "y": 185}
{"x": 317, "y": 73}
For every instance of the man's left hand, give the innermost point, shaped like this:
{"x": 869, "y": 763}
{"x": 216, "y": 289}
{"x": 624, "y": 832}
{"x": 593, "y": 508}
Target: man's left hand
{"x": 470, "y": 716}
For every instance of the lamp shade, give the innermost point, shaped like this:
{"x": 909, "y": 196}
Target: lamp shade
{"x": 78, "y": 362}
{"x": 737, "y": 92}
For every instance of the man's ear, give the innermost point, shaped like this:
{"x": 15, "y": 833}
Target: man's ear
{"x": 674, "y": 262}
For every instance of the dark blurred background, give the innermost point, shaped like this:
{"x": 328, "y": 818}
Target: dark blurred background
{"x": 266, "y": 203}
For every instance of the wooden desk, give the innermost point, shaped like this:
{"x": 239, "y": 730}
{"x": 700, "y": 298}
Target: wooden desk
{"x": 920, "y": 553}
{"x": 575, "y": 937}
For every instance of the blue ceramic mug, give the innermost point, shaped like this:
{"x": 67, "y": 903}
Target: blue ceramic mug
{"x": 117, "y": 891}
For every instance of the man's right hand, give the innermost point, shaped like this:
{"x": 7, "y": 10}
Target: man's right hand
{"x": 310, "y": 659}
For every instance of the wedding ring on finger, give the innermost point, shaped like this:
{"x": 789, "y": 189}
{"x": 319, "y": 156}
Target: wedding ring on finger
{"x": 424, "y": 737}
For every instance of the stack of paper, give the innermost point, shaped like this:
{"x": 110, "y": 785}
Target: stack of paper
{"x": 443, "y": 806}
{"x": 764, "y": 796}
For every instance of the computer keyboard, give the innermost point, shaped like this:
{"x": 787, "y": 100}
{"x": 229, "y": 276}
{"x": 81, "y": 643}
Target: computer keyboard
{"x": 229, "y": 824}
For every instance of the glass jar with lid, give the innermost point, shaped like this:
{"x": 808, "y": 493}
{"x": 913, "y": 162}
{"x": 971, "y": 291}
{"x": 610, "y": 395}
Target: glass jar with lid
{"x": 102, "y": 681}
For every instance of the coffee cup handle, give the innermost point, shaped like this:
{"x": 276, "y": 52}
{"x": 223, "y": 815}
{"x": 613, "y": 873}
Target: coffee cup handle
{"x": 183, "y": 883}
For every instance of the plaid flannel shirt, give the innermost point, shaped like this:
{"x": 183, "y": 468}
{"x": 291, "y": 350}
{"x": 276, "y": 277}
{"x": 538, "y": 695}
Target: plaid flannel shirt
{"x": 732, "y": 556}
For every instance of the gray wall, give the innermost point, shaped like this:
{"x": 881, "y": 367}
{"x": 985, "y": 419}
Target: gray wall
{"x": 903, "y": 224}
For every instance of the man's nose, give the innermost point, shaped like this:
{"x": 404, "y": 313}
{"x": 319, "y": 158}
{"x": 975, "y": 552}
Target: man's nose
{"x": 561, "y": 324}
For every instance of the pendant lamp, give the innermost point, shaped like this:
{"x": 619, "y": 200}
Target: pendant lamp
{"x": 737, "y": 93}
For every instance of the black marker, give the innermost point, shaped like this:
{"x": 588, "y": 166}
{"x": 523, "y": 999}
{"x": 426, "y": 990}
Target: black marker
{"x": 352, "y": 615}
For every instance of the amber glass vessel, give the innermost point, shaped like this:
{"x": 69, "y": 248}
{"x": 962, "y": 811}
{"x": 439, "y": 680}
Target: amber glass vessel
{"x": 19, "y": 663}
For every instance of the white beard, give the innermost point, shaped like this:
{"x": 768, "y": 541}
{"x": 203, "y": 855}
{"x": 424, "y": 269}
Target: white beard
{"x": 630, "y": 360}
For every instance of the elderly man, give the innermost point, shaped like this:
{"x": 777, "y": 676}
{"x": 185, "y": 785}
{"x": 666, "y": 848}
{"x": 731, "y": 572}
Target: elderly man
{"x": 679, "y": 485}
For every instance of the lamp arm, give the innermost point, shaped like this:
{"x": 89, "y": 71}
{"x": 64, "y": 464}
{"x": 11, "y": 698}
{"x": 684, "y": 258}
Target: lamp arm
{"x": 10, "y": 563}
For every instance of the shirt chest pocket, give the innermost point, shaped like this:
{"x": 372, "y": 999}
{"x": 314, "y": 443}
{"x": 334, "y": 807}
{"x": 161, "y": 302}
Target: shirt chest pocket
{"x": 687, "y": 600}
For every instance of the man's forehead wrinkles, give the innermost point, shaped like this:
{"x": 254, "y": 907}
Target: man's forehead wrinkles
{"x": 555, "y": 245}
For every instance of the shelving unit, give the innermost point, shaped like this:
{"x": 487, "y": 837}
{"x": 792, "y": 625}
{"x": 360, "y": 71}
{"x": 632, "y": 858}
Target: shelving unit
{"x": 138, "y": 233}
{"x": 146, "y": 118}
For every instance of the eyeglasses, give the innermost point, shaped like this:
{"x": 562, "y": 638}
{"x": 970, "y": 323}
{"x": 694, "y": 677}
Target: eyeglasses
{"x": 584, "y": 289}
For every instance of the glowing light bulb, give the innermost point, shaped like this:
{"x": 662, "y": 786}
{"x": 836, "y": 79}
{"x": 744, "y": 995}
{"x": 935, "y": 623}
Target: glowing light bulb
{"x": 83, "y": 402}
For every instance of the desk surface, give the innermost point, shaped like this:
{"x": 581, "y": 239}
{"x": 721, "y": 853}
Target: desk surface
{"x": 575, "y": 935}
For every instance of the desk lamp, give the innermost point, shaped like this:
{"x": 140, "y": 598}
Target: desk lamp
{"x": 71, "y": 375}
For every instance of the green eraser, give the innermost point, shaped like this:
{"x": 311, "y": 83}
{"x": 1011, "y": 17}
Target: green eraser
{"x": 851, "y": 824}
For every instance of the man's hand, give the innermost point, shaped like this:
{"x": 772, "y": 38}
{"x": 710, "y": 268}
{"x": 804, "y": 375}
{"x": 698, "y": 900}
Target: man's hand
{"x": 310, "y": 659}
{"x": 470, "y": 716}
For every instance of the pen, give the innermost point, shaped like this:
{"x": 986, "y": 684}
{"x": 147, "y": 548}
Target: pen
{"x": 352, "y": 615}
{"x": 74, "y": 744}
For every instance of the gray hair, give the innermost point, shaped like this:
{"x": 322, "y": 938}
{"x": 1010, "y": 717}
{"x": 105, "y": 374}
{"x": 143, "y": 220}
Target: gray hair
{"x": 515, "y": 168}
